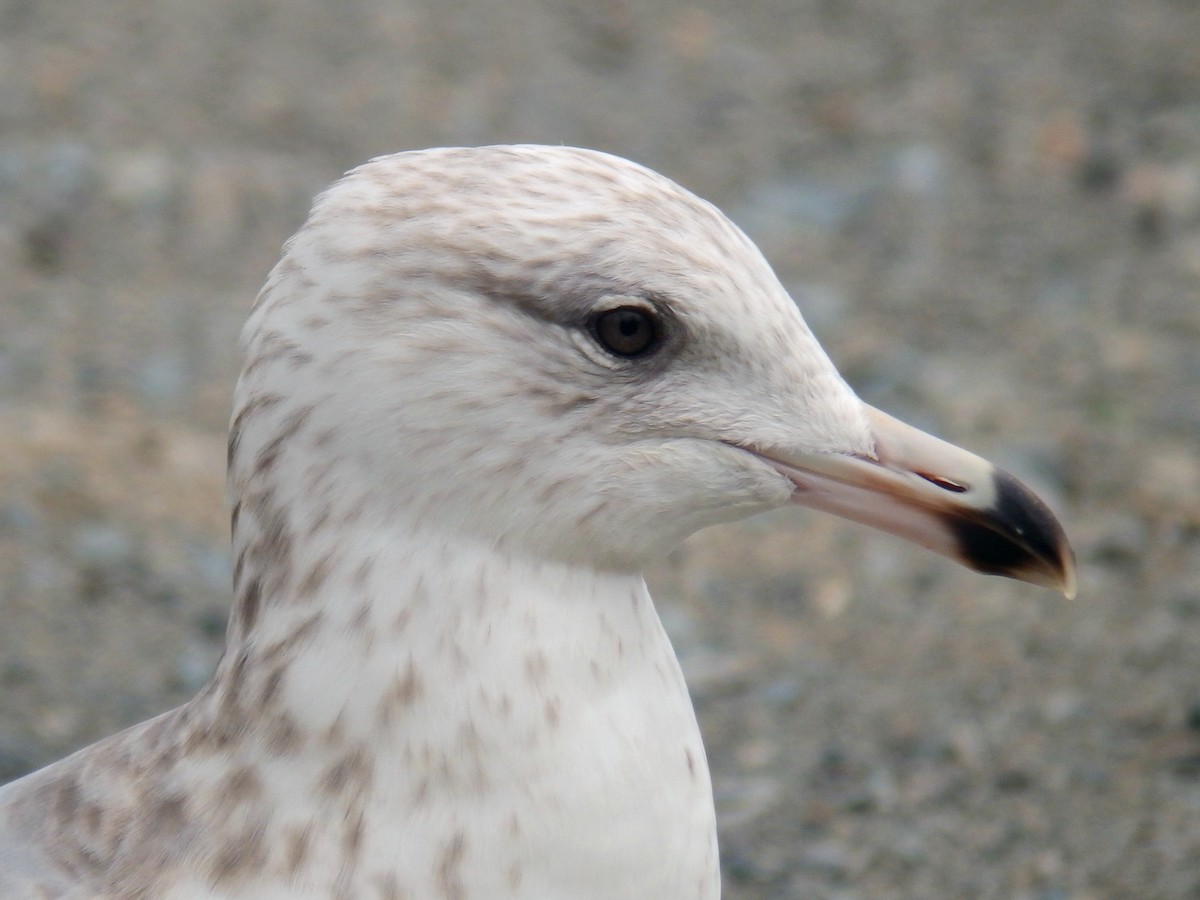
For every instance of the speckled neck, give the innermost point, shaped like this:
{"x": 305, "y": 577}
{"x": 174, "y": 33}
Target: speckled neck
{"x": 443, "y": 684}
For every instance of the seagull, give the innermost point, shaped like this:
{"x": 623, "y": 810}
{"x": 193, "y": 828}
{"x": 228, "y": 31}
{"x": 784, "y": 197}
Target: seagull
{"x": 483, "y": 388}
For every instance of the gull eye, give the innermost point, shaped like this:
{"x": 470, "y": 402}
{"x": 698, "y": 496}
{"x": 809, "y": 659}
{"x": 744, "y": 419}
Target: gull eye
{"x": 628, "y": 331}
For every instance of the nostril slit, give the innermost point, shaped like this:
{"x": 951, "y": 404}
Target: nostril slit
{"x": 945, "y": 484}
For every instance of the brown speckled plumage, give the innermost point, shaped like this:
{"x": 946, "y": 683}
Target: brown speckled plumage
{"x": 444, "y": 677}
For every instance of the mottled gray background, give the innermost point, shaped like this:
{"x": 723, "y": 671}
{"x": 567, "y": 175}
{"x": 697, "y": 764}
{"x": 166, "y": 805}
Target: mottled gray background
{"x": 989, "y": 211}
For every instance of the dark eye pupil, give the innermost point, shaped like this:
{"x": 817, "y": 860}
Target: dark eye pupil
{"x": 627, "y": 331}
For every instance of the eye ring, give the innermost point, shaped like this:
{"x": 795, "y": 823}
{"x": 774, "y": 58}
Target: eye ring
{"x": 629, "y": 332}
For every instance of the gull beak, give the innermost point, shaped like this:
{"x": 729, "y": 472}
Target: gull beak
{"x": 941, "y": 497}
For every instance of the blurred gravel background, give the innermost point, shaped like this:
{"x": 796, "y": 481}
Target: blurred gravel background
{"x": 989, "y": 211}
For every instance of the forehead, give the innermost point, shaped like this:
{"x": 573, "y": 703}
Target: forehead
{"x": 525, "y": 180}
{"x": 553, "y": 231}
{"x": 576, "y": 201}
{"x": 542, "y": 215}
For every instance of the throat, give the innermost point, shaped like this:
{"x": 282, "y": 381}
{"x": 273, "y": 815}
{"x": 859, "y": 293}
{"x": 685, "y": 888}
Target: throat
{"x": 415, "y": 638}
{"x": 435, "y": 696}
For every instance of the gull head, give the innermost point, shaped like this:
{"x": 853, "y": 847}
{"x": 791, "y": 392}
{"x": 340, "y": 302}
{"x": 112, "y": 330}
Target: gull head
{"x": 563, "y": 354}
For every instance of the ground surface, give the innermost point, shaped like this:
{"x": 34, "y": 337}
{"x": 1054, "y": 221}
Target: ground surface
{"x": 989, "y": 212}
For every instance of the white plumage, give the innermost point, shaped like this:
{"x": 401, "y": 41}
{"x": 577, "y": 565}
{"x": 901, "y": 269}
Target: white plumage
{"x": 482, "y": 388}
